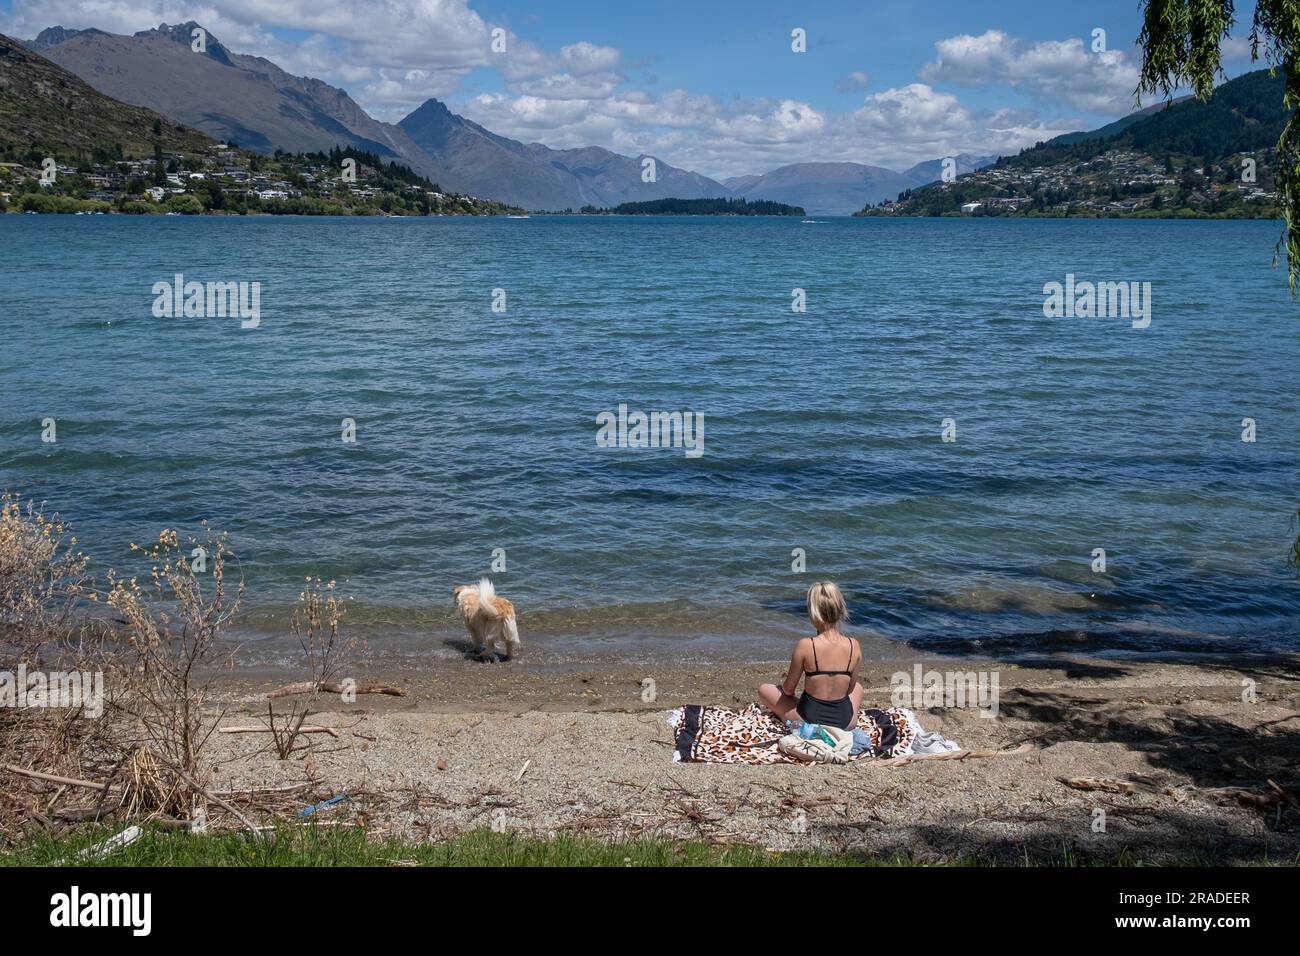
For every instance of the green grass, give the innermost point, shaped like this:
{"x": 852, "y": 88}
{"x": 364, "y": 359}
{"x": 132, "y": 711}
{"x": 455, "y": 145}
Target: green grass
{"x": 351, "y": 846}
{"x": 311, "y": 846}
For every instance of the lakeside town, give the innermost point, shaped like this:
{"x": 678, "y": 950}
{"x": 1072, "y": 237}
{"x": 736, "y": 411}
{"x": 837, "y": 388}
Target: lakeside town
{"x": 1118, "y": 182}
{"x": 224, "y": 179}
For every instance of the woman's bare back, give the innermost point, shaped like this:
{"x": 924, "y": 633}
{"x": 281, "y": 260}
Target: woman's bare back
{"x": 830, "y": 665}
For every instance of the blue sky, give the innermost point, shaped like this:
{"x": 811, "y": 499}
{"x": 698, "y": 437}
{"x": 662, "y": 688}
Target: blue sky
{"x": 711, "y": 86}
{"x": 743, "y": 49}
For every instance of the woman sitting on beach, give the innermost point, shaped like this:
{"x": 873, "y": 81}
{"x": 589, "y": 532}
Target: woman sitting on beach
{"x": 828, "y": 662}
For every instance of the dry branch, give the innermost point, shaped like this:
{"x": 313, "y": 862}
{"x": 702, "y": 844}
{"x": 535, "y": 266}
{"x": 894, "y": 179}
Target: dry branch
{"x": 953, "y": 755}
{"x": 333, "y": 687}
{"x": 215, "y": 799}
{"x": 269, "y": 730}
{"x": 249, "y": 791}
{"x": 54, "y": 778}
{"x": 1283, "y": 794}
{"x": 1097, "y": 783}
{"x": 78, "y": 814}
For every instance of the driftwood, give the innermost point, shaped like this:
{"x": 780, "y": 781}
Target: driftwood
{"x": 81, "y": 814}
{"x": 952, "y": 755}
{"x": 1268, "y": 799}
{"x": 1109, "y": 786}
{"x": 78, "y": 814}
{"x": 53, "y": 778}
{"x": 1242, "y": 797}
{"x": 249, "y": 791}
{"x": 1271, "y": 799}
{"x": 1283, "y": 794}
{"x": 215, "y": 799}
{"x": 267, "y": 730}
{"x": 332, "y": 687}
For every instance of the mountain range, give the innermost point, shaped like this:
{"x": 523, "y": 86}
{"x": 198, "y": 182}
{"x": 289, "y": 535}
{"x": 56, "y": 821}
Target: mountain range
{"x": 827, "y": 189}
{"x": 47, "y": 110}
{"x": 251, "y": 101}
{"x": 231, "y": 97}
{"x": 1243, "y": 114}
{"x": 475, "y": 160}
{"x": 1188, "y": 157}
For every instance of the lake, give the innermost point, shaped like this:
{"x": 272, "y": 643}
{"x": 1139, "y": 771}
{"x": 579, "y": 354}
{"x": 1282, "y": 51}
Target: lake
{"x": 921, "y": 432}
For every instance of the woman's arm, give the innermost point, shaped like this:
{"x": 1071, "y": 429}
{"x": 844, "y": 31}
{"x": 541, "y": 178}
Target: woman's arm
{"x": 791, "y": 682}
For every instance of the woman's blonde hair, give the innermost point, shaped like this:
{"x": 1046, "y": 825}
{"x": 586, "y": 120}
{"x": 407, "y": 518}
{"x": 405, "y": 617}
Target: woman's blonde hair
{"x": 826, "y": 606}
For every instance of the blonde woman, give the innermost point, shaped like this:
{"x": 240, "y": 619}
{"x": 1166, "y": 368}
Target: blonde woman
{"x": 828, "y": 662}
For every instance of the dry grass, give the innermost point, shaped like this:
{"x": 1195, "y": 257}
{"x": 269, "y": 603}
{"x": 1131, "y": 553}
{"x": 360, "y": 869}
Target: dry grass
{"x": 164, "y": 665}
{"x": 44, "y": 589}
{"x": 153, "y": 635}
{"x": 325, "y": 650}
{"x": 43, "y": 580}
{"x": 155, "y": 645}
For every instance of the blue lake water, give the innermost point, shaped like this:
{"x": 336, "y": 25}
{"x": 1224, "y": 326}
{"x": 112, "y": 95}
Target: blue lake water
{"x": 476, "y": 430}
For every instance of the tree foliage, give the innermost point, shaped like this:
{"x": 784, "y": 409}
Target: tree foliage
{"x": 701, "y": 207}
{"x": 1181, "y": 46}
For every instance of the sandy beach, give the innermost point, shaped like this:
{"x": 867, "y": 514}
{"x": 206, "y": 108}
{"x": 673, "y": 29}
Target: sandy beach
{"x": 1184, "y": 767}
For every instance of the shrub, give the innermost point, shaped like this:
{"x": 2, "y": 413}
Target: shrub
{"x": 167, "y": 664}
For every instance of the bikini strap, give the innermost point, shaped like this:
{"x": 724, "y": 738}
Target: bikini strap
{"x": 817, "y": 668}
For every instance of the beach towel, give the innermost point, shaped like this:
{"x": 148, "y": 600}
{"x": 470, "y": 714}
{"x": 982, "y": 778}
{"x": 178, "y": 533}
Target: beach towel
{"x": 923, "y": 742}
{"x": 752, "y": 736}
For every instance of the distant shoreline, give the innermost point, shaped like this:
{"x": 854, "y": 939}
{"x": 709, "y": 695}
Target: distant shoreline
{"x": 1271, "y": 215}
{"x": 260, "y": 214}
{"x": 456, "y": 215}
{"x": 715, "y": 206}
{"x": 263, "y": 214}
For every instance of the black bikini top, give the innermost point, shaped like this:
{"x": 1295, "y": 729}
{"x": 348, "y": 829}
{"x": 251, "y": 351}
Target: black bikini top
{"x": 821, "y": 673}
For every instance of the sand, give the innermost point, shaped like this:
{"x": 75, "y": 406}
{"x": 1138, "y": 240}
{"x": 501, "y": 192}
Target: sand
{"x": 448, "y": 757}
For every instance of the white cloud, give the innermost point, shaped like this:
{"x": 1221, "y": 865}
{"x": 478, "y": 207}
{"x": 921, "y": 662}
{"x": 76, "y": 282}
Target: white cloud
{"x": 853, "y": 82}
{"x": 566, "y": 86}
{"x": 915, "y": 107}
{"x": 391, "y": 55}
{"x": 904, "y": 125}
{"x": 584, "y": 57}
{"x": 893, "y": 128}
{"x": 1055, "y": 69}
{"x": 434, "y": 36}
{"x": 784, "y": 122}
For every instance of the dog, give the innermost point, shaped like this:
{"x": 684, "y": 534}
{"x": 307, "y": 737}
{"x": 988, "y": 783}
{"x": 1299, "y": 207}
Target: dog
{"x": 488, "y": 618}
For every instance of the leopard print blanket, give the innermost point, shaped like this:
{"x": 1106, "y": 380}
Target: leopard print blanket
{"x": 717, "y": 735}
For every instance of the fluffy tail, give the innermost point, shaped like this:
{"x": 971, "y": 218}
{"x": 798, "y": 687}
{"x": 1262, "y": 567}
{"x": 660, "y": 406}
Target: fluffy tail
{"x": 487, "y": 598}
